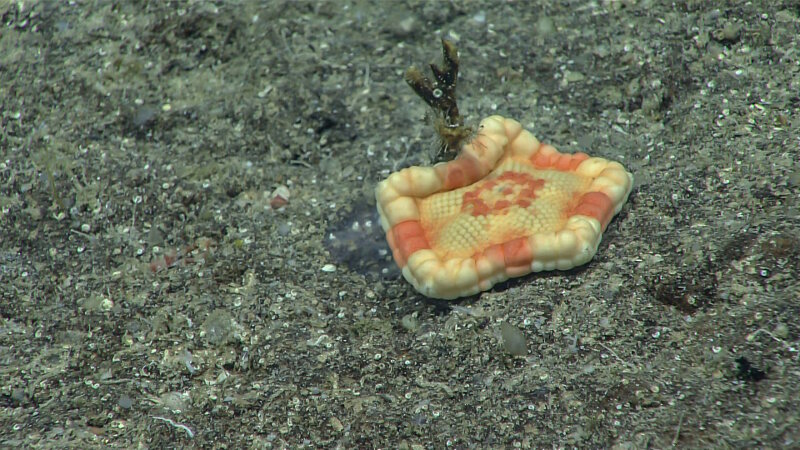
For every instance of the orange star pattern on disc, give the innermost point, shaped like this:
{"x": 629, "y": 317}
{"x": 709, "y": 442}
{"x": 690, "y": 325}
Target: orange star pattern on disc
{"x": 506, "y": 206}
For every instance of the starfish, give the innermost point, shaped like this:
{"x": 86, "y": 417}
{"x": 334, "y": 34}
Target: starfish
{"x": 507, "y": 206}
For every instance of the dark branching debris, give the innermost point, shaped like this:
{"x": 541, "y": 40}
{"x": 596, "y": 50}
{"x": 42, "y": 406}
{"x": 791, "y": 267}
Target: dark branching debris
{"x": 440, "y": 95}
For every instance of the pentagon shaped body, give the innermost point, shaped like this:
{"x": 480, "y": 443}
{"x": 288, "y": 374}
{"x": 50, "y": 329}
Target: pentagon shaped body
{"x": 508, "y": 205}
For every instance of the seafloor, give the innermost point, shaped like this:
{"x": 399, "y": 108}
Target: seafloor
{"x": 157, "y": 290}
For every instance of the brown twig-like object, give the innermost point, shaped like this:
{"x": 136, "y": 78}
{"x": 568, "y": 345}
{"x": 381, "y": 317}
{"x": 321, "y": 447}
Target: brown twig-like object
{"x": 440, "y": 95}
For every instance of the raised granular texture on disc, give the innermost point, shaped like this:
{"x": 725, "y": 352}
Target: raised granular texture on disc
{"x": 506, "y": 206}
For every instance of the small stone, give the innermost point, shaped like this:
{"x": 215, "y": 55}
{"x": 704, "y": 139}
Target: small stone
{"x": 125, "y": 402}
{"x": 514, "y": 341}
{"x": 410, "y": 322}
{"x": 781, "y": 331}
{"x": 279, "y": 197}
{"x": 336, "y": 424}
{"x": 218, "y": 328}
{"x": 573, "y": 77}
